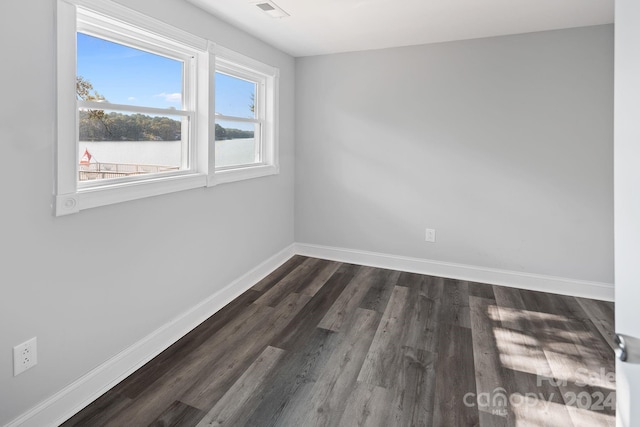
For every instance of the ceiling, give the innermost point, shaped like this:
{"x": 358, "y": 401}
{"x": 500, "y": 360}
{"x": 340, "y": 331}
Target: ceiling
{"x": 329, "y": 26}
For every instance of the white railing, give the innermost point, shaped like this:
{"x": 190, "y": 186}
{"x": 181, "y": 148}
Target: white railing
{"x": 117, "y": 170}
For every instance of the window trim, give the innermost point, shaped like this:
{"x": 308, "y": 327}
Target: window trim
{"x": 69, "y": 197}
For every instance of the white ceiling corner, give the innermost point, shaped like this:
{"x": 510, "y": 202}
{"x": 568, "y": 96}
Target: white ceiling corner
{"x": 318, "y": 27}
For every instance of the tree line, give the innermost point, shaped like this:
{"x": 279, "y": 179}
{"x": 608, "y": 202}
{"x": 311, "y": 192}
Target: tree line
{"x": 140, "y": 127}
{"x": 97, "y": 125}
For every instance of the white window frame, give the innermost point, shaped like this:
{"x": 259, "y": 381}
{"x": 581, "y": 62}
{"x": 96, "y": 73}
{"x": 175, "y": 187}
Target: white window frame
{"x": 267, "y": 81}
{"x": 70, "y": 196}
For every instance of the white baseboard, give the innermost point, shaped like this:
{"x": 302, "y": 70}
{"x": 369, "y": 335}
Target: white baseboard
{"x": 514, "y": 279}
{"x": 68, "y": 401}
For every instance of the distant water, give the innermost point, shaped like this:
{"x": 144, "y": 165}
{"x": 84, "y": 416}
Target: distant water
{"x": 164, "y": 153}
{"x": 232, "y": 152}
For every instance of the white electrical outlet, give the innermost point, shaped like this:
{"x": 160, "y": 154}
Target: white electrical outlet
{"x": 430, "y": 235}
{"x": 25, "y": 356}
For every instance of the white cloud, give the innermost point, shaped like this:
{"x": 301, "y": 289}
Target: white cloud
{"x": 131, "y": 98}
{"x": 171, "y": 97}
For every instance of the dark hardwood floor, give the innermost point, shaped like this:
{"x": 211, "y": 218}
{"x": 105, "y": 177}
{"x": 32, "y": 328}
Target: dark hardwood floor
{"x": 331, "y": 344}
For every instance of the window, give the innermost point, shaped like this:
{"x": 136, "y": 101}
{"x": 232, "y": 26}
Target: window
{"x": 136, "y": 109}
{"x": 245, "y": 121}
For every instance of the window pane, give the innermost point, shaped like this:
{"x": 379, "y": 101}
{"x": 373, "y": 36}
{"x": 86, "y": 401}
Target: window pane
{"x": 236, "y": 143}
{"x": 116, "y": 144}
{"x": 235, "y": 97}
{"x": 124, "y": 75}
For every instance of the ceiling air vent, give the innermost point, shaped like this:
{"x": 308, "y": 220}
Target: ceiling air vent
{"x": 271, "y": 9}
{"x": 265, "y": 6}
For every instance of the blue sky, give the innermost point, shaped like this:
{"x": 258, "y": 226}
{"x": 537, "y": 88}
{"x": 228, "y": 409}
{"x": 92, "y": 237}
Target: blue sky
{"x": 124, "y": 75}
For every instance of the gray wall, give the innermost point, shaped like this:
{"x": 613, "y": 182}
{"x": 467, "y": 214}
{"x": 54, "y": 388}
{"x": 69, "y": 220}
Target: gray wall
{"x": 90, "y": 285}
{"x": 504, "y": 145}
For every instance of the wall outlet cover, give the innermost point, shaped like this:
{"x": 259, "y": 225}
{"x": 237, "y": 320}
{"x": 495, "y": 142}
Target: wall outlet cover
{"x": 430, "y": 235}
{"x": 25, "y": 356}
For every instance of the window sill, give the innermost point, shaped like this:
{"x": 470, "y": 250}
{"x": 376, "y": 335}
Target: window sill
{"x": 66, "y": 204}
{"x": 222, "y": 176}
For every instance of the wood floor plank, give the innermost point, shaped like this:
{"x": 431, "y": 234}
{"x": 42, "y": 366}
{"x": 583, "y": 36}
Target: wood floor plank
{"x": 455, "y": 303}
{"x": 490, "y": 376}
{"x": 432, "y": 287}
{"x": 585, "y": 417}
{"x": 220, "y": 374}
{"x": 521, "y": 349}
{"x": 345, "y": 305}
{"x": 328, "y": 396}
{"x": 324, "y": 273}
{"x": 494, "y": 420}
{"x": 481, "y": 290}
{"x": 100, "y": 411}
{"x": 569, "y": 305}
{"x": 567, "y": 368}
{"x": 379, "y": 293}
{"x": 165, "y": 361}
{"x": 586, "y": 334}
{"x": 413, "y": 394}
{"x": 178, "y": 415}
{"x": 558, "y": 305}
{"x": 306, "y": 278}
{"x": 602, "y": 315}
{"x": 410, "y": 280}
{"x": 523, "y": 353}
{"x": 279, "y": 273}
{"x": 421, "y": 325}
{"x": 367, "y": 406}
{"x": 572, "y": 330}
{"x": 455, "y": 377}
{"x": 590, "y": 336}
{"x": 383, "y": 358}
{"x": 295, "y": 334}
{"x": 304, "y": 272}
{"x": 231, "y": 409}
{"x": 187, "y": 373}
{"x": 294, "y": 377}
{"x": 209, "y": 369}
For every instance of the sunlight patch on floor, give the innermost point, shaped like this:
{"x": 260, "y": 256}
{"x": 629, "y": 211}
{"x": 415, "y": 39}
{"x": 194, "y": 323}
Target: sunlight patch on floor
{"x": 520, "y": 352}
{"x": 511, "y": 314}
{"x": 529, "y": 411}
{"x": 562, "y": 354}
